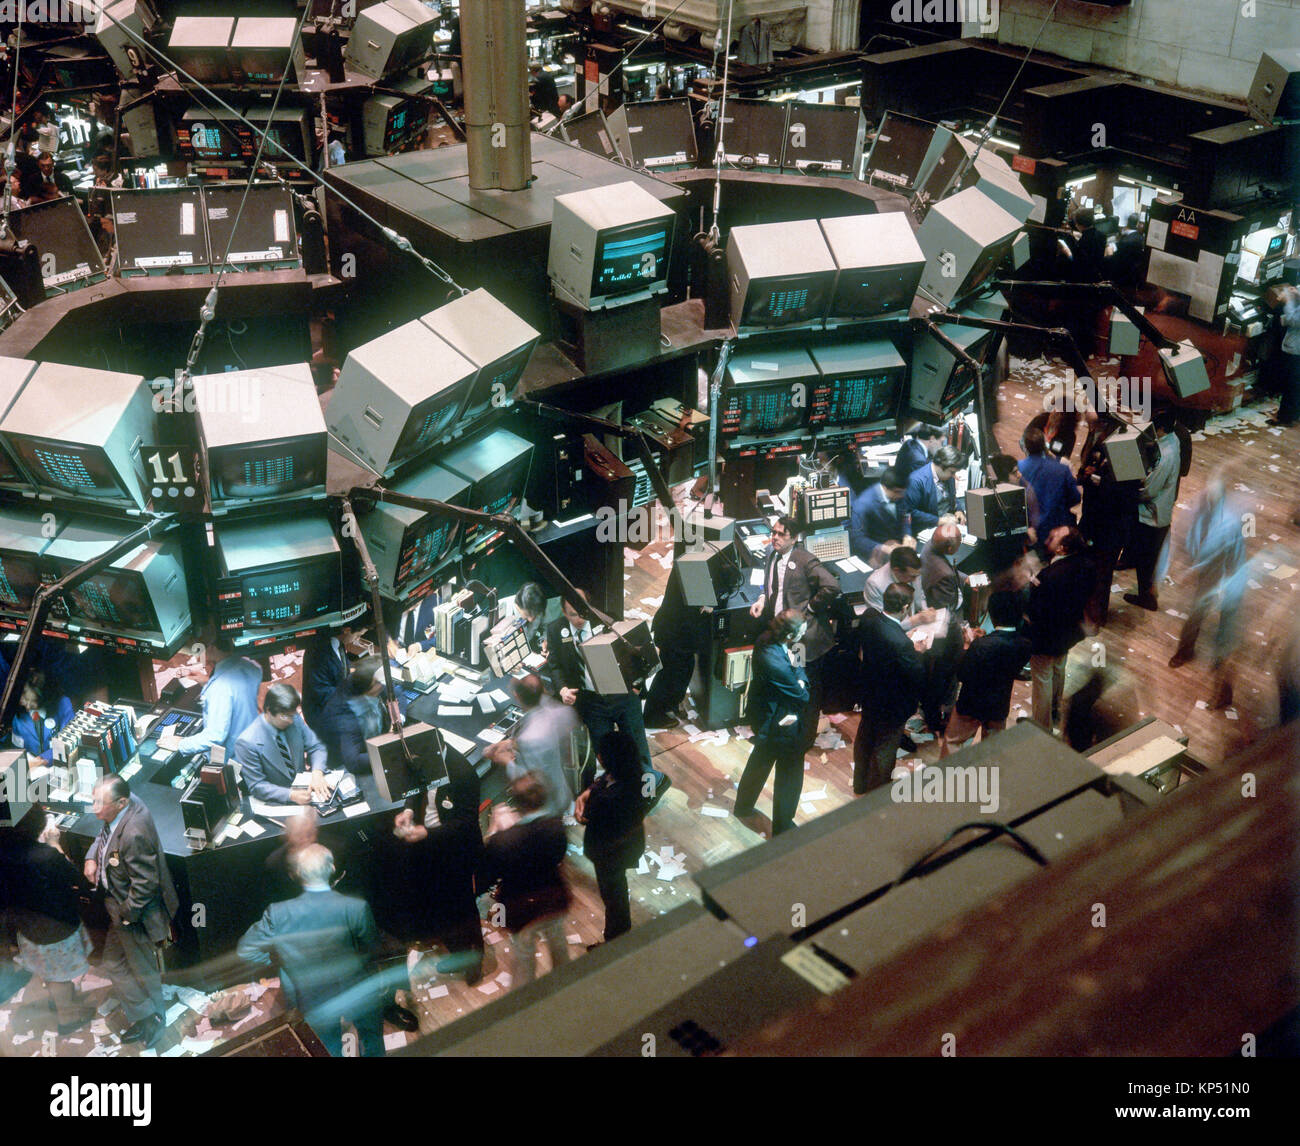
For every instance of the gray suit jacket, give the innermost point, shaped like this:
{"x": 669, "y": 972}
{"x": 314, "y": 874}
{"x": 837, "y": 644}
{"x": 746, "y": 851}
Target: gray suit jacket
{"x": 543, "y": 746}
{"x": 135, "y": 874}
{"x": 258, "y": 753}
{"x": 808, "y": 585}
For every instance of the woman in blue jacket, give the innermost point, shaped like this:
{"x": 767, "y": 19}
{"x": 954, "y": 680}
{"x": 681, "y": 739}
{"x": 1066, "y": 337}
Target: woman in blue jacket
{"x": 43, "y": 710}
{"x": 778, "y": 695}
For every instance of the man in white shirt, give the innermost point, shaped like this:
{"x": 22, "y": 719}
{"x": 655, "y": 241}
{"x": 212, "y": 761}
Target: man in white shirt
{"x": 903, "y": 568}
{"x": 1155, "y": 512}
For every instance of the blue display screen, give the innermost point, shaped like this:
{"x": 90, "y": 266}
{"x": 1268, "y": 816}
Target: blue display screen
{"x": 631, "y": 260}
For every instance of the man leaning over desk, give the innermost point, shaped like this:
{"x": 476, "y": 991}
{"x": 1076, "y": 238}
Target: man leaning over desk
{"x": 277, "y": 746}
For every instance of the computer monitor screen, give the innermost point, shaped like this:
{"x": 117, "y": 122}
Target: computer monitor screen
{"x": 289, "y": 129}
{"x": 661, "y": 133}
{"x": 68, "y": 467}
{"x": 496, "y": 466}
{"x": 789, "y": 299}
{"x": 159, "y": 228}
{"x": 20, "y": 577}
{"x": 58, "y": 231}
{"x": 875, "y": 290}
{"x": 290, "y": 593}
{"x": 898, "y": 151}
{"x": 431, "y": 420}
{"x": 630, "y": 259}
{"x": 266, "y": 469}
{"x": 117, "y": 599}
{"x": 266, "y": 232}
{"x": 423, "y": 546}
{"x": 495, "y": 381}
{"x": 984, "y": 266}
{"x": 200, "y": 135}
{"x": 760, "y": 409}
{"x": 864, "y": 397}
{"x": 821, "y": 138}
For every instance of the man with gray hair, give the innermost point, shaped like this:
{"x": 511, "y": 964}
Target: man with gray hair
{"x": 324, "y": 945}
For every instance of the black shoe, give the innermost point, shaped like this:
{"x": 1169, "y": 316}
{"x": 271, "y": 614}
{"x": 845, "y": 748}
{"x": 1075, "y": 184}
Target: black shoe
{"x": 147, "y": 1030}
{"x": 1274, "y": 422}
{"x": 593, "y": 946}
{"x": 1148, "y": 603}
{"x": 401, "y": 1018}
{"x": 660, "y": 720}
{"x": 1179, "y": 659}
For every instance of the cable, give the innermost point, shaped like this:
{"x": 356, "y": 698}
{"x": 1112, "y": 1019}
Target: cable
{"x": 719, "y": 153}
{"x": 399, "y": 241}
{"x": 993, "y": 827}
{"x": 610, "y": 74}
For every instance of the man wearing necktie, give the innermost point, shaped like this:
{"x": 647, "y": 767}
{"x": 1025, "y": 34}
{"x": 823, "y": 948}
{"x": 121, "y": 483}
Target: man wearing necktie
{"x": 127, "y": 864}
{"x": 276, "y": 747}
{"x": 795, "y": 579}
{"x": 325, "y": 666}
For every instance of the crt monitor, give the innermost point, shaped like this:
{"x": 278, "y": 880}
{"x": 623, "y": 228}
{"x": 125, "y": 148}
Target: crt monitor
{"x": 940, "y": 386}
{"x": 214, "y": 136}
{"x": 591, "y": 133}
{"x": 159, "y": 229}
{"x": 609, "y": 245}
{"x": 490, "y": 336}
{"x": 768, "y": 393}
{"x": 266, "y": 235}
{"x": 408, "y": 545}
{"x": 386, "y": 413}
{"x": 495, "y": 464}
{"x": 879, "y": 264}
{"x": 61, "y": 236}
{"x": 290, "y": 128}
{"x": 141, "y": 596}
{"x": 201, "y": 45}
{"x": 822, "y": 139}
{"x": 779, "y": 274}
{"x": 660, "y": 133}
{"x": 277, "y": 573}
{"x": 23, "y": 539}
{"x": 14, "y": 373}
{"x": 77, "y": 432}
{"x": 899, "y": 151}
{"x": 263, "y": 432}
{"x": 863, "y": 382}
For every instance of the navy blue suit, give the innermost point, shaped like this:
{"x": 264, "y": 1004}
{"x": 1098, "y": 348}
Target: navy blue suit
{"x": 896, "y": 674}
{"x": 779, "y": 689}
{"x": 873, "y": 520}
{"x": 924, "y": 496}
{"x": 911, "y": 457}
{"x": 323, "y": 670}
{"x": 341, "y": 733}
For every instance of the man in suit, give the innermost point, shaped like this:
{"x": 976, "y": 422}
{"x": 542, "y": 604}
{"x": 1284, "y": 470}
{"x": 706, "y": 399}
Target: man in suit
{"x": 902, "y": 568}
{"x": 1155, "y": 512}
{"x": 1058, "y": 602}
{"x": 277, "y": 746}
{"x": 415, "y": 625}
{"x": 918, "y": 449}
{"x": 324, "y": 944}
{"x": 876, "y": 514}
{"x": 228, "y": 701}
{"x": 896, "y": 675}
{"x": 987, "y": 672}
{"x": 795, "y": 579}
{"x": 126, "y": 862}
{"x": 542, "y": 745}
{"x": 530, "y": 604}
{"x": 1056, "y": 493}
{"x": 932, "y": 491}
{"x": 944, "y": 586}
{"x": 325, "y": 666}
{"x": 680, "y": 633}
{"x": 353, "y": 714}
{"x": 572, "y": 682}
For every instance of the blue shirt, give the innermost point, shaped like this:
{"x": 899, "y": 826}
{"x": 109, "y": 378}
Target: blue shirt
{"x": 1055, "y": 492}
{"x": 229, "y": 702}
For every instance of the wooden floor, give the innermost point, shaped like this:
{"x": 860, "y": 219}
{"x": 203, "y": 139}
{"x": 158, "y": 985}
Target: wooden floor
{"x": 683, "y": 837}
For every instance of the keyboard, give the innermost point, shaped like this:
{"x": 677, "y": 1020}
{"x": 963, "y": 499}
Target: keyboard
{"x": 829, "y": 546}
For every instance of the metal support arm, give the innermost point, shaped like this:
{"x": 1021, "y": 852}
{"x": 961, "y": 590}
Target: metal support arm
{"x": 1103, "y": 292}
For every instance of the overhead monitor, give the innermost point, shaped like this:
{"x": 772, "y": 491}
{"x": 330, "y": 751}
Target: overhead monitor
{"x": 409, "y": 545}
{"x": 289, "y": 128}
{"x": 940, "y": 385}
{"x": 263, "y": 432}
{"x": 266, "y": 238}
{"x": 878, "y": 261}
{"x": 68, "y": 253}
{"x": 394, "y": 119}
{"x": 822, "y": 139}
{"x": 261, "y": 48}
{"x": 201, "y": 45}
{"x": 780, "y": 274}
{"x": 494, "y": 339}
{"x": 752, "y": 133}
{"x": 158, "y": 230}
{"x": 141, "y": 597}
{"x": 768, "y": 392}
{"x": 24, "y": 537}
{"x": 277, "y": 574}
{"x": 390, "y": 37}
{"x": 592, "y": 133}
{"x": 77, "y": 432}
{"x": 385, "y": 410}
{"x": 898, "y": 152}
{"x": 965, "y": 237}
{"x": 610, "y": 245}
{"x": 863, "y": 383}
{"x": 495, "y": 463}
{"x": 658, "y": 135}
